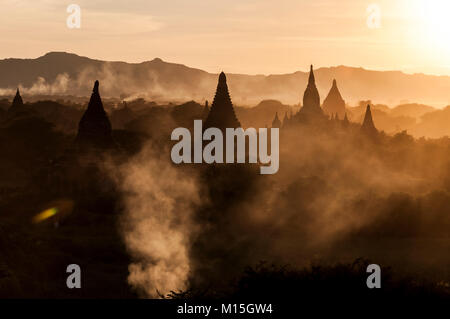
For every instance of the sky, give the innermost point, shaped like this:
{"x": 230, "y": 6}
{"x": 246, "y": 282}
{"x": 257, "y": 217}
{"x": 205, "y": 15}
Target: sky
{"x": 245, "y": 36}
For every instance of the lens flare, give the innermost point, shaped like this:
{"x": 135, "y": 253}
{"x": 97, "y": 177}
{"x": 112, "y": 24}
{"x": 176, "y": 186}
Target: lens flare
{"x": 63, "y": 207}
{"x": 46, "y": 214}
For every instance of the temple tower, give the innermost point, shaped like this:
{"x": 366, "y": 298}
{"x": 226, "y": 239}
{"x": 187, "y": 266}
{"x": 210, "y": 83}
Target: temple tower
{"x": 17, "y": 106}
{"x": 311, "y": 98}
{"x": 368, "y": 127}
{"x": 94, "y": 128}
{"x": 334, "y": 103}
{"x": 222, "y": 113}
{"x": 285, "y": 119}
{"x": 276, "y": 121}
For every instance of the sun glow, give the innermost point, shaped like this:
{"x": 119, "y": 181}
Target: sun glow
{"x": 434, "y": 23}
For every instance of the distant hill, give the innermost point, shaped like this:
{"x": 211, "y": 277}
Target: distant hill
{"x": 413, "y": 110}
{"x": 70, "y": 74}
{"x": 433, "y": 124}
{"x": 262, "y": 114}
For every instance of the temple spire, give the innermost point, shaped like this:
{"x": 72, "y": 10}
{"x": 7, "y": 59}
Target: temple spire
{"x": 285, "y": 119}
{"x": 311, "y": 80}
{"x": 368, "y": 126}
{"x": 221, "y": 114}
{"x": 94, "y": 128}
{"x": 334, "y": 103}
{"x": 311, "y": 98}
{"x": 17, "y": 106}
{"x": 95, "y": 90}
{"x": 276, "y": 121}
{"x": 17, "y": 99}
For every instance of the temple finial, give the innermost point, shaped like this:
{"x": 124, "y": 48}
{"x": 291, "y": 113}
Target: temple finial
{"x": 96, "y": 84}
{"x": 311, "y": 79}
{"x": 222, "y": 77}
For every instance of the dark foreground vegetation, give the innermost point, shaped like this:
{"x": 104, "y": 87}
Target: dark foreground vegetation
{"x": 108, "y": 198}
{"x": 323, "y": 282}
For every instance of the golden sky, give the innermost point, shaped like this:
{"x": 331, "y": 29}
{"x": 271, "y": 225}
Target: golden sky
{"x": 241, "y": 36}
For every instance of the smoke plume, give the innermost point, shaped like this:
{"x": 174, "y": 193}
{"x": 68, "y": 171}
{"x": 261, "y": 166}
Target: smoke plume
{"x": 338, "y": 196}
{"x": 157, "y": 223}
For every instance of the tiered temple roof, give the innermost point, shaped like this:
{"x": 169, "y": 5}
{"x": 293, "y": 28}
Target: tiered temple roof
{"x": 311, "y": 98}
{"x": 222, "y": 113}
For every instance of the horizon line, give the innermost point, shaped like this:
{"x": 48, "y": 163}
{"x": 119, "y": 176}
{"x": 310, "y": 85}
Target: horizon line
{"x": 233, "y": 73}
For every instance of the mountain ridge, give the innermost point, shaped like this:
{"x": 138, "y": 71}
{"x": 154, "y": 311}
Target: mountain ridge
{"x": 68, "y": 73}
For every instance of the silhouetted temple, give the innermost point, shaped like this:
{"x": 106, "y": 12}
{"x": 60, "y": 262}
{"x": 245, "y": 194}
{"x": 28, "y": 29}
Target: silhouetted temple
{"x": 368, "y": 127}
{"x": 276, "y": 121}
{"x": 94, "y": 128}
{"x": 334, "y": 103}
{"x": 285, "y": 119}
{"x": 311, "y": 112}
{"x": 17, "y": 105}
{"x": 222, "y": 113}
{"x": 311, "y": 98}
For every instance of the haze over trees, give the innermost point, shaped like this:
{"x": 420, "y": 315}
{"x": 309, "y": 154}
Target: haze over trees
{"x": 156, "y": 80}
{"x": 145, "y": 227}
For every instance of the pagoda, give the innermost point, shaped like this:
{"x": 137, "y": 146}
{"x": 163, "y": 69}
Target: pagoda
{"x": 311, "y": 98}
{"x": 334, "y": 103}
{"x": 94, "y": 128}
{"x": 368, "y": 127}
{"x": 221, "y": 114}
{"x": 276, "y": 123}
